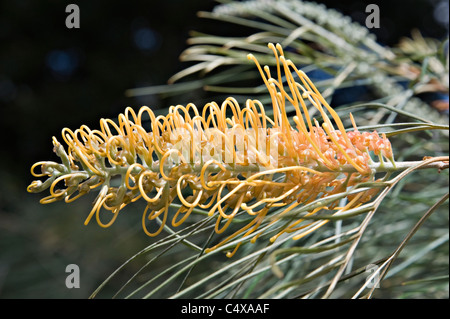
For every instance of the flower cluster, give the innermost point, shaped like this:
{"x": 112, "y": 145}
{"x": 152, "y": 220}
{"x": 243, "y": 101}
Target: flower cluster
{"x": 224, "y": 159}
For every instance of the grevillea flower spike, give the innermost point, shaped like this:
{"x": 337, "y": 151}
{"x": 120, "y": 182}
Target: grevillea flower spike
{"x": 247, "y": 163}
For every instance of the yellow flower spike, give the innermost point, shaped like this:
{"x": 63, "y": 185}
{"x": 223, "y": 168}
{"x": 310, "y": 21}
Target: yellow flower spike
{"x": 278, "y": 166}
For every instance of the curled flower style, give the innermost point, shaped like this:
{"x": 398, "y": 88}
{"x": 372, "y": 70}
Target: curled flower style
{"x": 224, "y": 159}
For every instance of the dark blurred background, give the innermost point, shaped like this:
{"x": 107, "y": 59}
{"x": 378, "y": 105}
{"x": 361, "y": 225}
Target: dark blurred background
{"x": 53, "y": 77}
